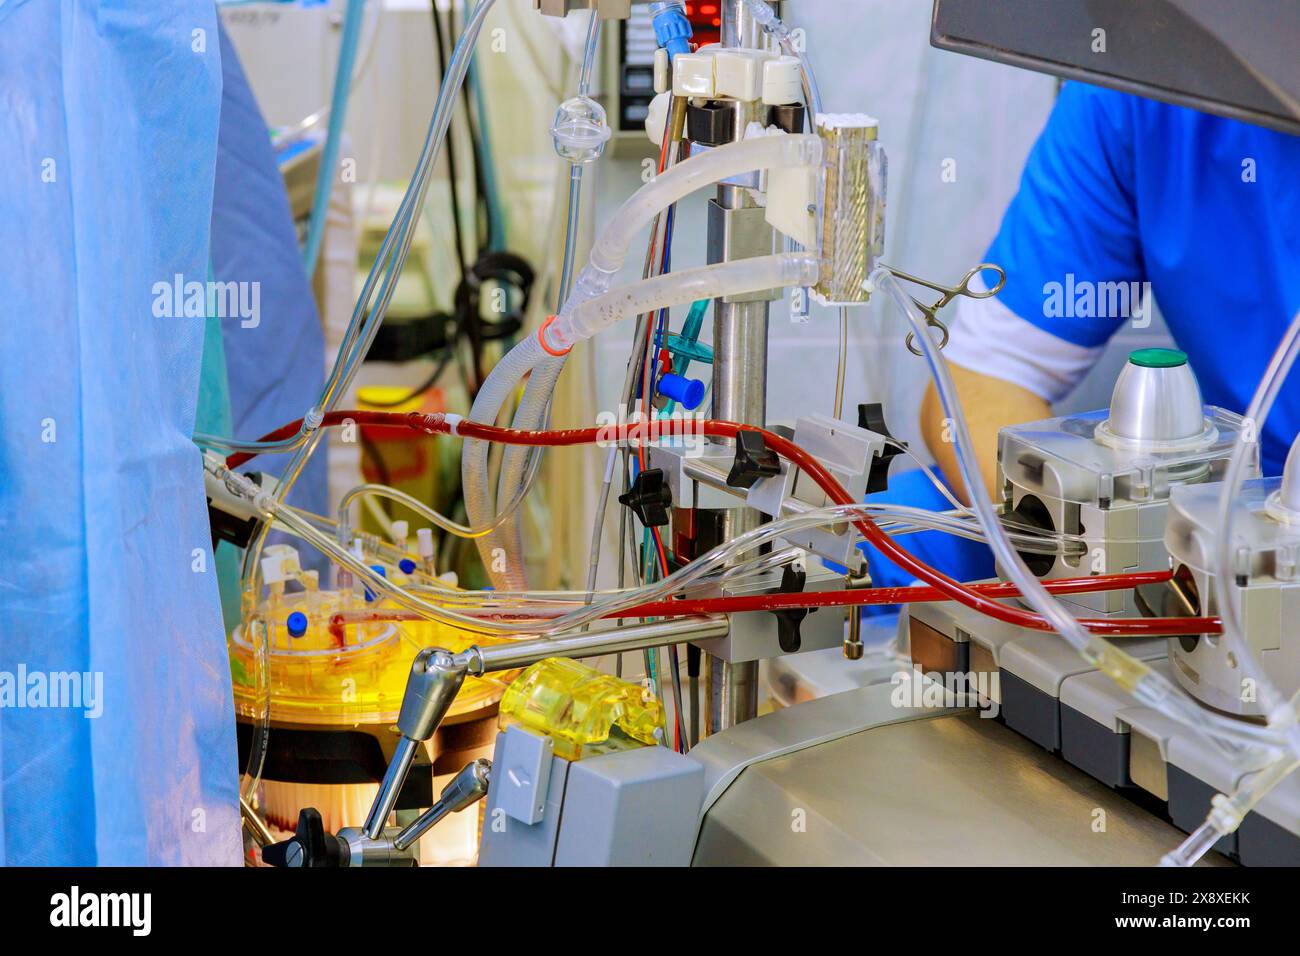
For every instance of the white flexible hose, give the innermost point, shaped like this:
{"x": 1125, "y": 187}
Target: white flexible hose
{"x": 689, "y": 285}
{"x": 673, "y": 288}
{"x": 678, "y": 182}
{"x": 607, "y": 257}
{"x": 496, "y": 389}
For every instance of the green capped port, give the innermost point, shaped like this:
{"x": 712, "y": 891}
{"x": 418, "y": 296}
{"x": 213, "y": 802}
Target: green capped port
{"x": 1158, "y": 358}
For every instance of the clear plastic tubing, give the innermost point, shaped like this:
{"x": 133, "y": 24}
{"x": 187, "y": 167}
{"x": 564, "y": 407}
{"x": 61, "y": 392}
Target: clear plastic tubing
{"x": 1227, "y": 812}
{"x": 673, "y": 288}
{"x": 649, "y": 295}
{"x": 678, "y": 182}
{"x": 409, "y": 598}
{"x": 1276, "y": 707}
{"x": 365, "y": 321}
{"x": 355, "y": 344}
{"x": 344, "y": 529}
{"x": 392, "y": 256}
{"x": 575, "y": 172}
{"x": 772, "y": 25}
{"x": 345, "y": 367}
{"x": 766, "y": 18}
{"x": 607, "y": 257}
{"x": 679, "y": 288}
{"x": 352, "y": 21}
{"x": 530, "y": 415}
{"x": 443, "y": 109}
{"x": 532, "y": 408}
{"x": 1136, "y": 677}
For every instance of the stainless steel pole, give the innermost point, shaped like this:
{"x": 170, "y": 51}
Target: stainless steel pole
{"x": 739, "y": 382}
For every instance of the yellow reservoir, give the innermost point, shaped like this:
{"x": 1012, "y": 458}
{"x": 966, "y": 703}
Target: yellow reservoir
{"x": 344, "y": 674}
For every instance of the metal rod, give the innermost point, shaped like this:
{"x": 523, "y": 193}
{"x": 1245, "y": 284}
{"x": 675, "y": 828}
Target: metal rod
{"x": 693, "y": 683}
{"x": 421, "y": 825}
{"x": 853, "y": 649}
{"x": 386, "y": 798}
{"x": 739, "y": 395}
{"x": 467, "y": 787}
{"x": 256, "y": 827}
{"x": 739, "y": 28}
{"x": 504, "y": 657}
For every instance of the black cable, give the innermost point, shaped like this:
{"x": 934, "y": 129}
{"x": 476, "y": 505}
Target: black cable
{"x": 482, "y": 208}
{"x": 472, "y": 325}
{"x": 428, "y": 383}
{"x": 440, "y": 47}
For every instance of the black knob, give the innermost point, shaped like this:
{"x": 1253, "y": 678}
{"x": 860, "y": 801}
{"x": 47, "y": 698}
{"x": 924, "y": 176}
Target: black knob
{"x": 788, "y": 619}
{"x": 309, "y": 846}
{"x": 753, "y": 461}
{"x": 649, "y": 498}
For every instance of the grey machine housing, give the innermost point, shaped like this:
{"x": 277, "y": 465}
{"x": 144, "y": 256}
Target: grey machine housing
{"x": 1266, "y": 583}
{"x": 1113, "y": 495}
{"x": 625, "y": 808}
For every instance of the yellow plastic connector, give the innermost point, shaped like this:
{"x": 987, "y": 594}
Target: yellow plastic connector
{"x": 582, "y": 710}
{"x": 1123, "y": 668}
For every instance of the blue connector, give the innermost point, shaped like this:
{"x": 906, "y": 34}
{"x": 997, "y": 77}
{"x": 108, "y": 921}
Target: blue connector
{"x": 382, "y": 572}
{"x": 672, "y": 29}
{"x": 296, "y": 624}
{"x": 406, "y": 565}
{"x": 688, "y": 391}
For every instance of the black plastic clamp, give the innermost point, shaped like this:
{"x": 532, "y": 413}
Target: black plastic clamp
{"x": 871, "y": 416}
{"x": 754, "y": 460}
{"x": 788, "y": 619}
{"x": 649, "y": 498}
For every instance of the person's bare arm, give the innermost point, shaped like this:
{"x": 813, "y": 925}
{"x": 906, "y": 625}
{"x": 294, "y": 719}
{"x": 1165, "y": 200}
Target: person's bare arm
{"x": 989, "y": 403}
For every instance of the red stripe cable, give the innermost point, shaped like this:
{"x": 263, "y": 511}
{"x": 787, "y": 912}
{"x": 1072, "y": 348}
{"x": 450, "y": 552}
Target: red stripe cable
{"x": 947, "y": 587}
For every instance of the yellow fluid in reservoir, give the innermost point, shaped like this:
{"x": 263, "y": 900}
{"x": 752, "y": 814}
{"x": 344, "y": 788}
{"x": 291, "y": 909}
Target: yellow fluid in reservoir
{"x": 345, "y": 674}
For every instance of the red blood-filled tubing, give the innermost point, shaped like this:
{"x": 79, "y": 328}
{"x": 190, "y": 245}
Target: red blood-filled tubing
{"x": 947, "y": 587}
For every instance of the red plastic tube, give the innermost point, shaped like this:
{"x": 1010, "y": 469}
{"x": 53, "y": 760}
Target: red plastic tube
{"x": 869, "y": 596}
{"x": 396, "y": 421}
{"x": 947, "y": 587}
{"x": 924, "y": 595}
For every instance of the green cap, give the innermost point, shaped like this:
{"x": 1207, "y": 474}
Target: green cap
{"x": 1158, "y": 358}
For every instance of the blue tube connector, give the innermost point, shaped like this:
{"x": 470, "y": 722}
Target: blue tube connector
{"x": 672, "y": 29}
{"x": 382, "y": 572}
{"x": 687, "y": 391}
{"x": 296, "y": 624}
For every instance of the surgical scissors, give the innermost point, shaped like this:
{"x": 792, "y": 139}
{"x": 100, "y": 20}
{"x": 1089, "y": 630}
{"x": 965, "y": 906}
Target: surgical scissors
{"x": 949, "y": 293}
